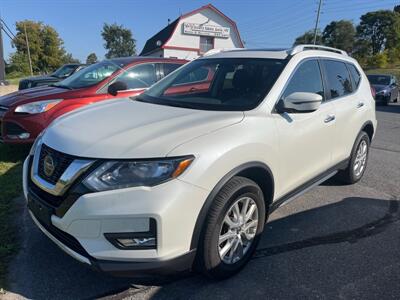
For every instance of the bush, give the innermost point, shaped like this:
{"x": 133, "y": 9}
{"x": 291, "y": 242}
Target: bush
{"x": 379, "y": 60}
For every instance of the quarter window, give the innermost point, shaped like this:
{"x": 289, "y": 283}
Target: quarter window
{"x": 355, "y": 75}
{"x": 338, "y": 78}
{"x": 307, "y": 78}
{"x": 141, "y": 76}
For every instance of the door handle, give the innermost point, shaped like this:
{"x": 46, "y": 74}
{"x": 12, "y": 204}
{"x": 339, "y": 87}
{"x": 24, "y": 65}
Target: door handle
{"x": 329, "y": 118}
{"x": 360, "y": 104}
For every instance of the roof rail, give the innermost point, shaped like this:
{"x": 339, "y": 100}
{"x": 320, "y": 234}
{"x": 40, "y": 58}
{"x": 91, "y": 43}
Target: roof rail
{"x": 300, "y": 48}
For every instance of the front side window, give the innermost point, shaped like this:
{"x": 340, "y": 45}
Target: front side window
{"x": 89, "y": 76}
{"x": 140, "y": 76}
{"x": 206, "y": 43}
{"x": 307, "y": 78}
{"x": 229, "y": 84}
{"x": 338, "y": 78}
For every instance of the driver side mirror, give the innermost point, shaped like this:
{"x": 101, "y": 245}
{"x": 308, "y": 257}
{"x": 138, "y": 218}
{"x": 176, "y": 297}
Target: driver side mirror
{"x": 299, "y": 102}
{"x": 115, "y": 87}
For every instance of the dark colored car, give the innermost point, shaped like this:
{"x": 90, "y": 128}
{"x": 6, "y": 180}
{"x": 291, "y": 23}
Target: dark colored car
{"x": 58, "y": 75}
{"x": 386, "y": 88}
{"x": 24, "y": 114}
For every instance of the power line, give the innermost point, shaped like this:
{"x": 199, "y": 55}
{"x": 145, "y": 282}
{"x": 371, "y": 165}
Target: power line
{"x": 8, "y": 28}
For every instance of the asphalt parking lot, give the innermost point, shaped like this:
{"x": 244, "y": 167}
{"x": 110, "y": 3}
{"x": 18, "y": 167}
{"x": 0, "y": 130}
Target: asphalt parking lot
{"x": 335, "y": 241}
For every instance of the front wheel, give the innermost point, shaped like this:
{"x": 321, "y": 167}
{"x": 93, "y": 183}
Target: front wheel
{"x": 233, "y": 228}
{"x": 358, "y": 160}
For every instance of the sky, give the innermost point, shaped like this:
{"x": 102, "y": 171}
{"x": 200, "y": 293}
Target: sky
{"x": 261, "y": 23}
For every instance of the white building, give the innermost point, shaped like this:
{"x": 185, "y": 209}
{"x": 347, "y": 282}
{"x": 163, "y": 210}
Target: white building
{"x": 193, "y": 34}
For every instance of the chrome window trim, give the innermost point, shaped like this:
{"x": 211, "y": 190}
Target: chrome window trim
{"x": 74, "y": 170}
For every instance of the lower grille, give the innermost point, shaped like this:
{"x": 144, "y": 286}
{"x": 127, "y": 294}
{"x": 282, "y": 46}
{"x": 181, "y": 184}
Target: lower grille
{"x": 13, "y": 129}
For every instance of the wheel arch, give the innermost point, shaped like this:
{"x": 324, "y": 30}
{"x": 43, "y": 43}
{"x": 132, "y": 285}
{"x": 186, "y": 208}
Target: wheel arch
{"x": 256, "y": 171}
{"x": 369, "y": 129}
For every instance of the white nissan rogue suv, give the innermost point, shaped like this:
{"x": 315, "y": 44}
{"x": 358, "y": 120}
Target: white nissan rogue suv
{"x": 185, "y": 175}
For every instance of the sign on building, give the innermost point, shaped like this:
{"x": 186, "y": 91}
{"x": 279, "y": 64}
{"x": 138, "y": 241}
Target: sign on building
{"x": 206, "y": 30}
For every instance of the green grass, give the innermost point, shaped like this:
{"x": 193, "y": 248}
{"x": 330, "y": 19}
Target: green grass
{"x": 393, "y": 71}
{"x": 11, "y": 158}
{"x": 13, "y": 81}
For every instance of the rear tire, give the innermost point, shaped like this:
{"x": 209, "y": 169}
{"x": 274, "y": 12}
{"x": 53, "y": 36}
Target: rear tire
{"x": 358, "y": 160}
{"x": 232, "y": 229}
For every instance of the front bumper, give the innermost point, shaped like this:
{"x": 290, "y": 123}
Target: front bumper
{"x": 81, "y": 230}
{"x": 14, "y": 133}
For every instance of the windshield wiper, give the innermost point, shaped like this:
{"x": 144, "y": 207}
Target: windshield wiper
{"x": 61, "y": 86}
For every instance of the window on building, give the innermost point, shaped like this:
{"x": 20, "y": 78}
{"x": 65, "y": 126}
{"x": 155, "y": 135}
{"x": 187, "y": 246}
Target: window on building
{"x": 307, "y": 78}
{"x": 338, "y": 78}
{"x": 206, "y": 43}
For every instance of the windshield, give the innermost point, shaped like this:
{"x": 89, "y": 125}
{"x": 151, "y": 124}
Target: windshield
{"x": 217, "y": 84}
{"x": 64, "y": 71}
{"x": 379, "y": 79}
{"x": 89, "y": 76}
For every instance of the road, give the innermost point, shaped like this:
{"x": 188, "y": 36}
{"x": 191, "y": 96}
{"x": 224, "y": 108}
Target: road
{"x": 335, "y": 241}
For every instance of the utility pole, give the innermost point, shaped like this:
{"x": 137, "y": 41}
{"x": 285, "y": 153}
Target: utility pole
{"x": 2, "y": 64}
{"x": 317, "y": 21}
{"x": 29, "y": 51}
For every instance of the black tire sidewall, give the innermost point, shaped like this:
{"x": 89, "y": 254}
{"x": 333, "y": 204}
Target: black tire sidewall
{"x": 361, "y": 137}
{"x": 213, "y": 263}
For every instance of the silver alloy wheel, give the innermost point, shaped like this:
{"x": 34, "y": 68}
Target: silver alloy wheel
{"x": 361, "y": 158}
{"x": 238, "y": 230}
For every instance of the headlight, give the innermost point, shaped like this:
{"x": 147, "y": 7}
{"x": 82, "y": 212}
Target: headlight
{"x": 37, "y": 107}
{"x": 113, "y": 175}
{"x": 384, "y": 91}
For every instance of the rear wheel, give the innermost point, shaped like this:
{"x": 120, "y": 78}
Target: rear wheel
{"x": 232, "y": 229}
{"x": 358, "y": 160}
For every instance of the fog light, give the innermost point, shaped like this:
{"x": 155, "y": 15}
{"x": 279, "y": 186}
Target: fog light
{"x": 135, "y": 240}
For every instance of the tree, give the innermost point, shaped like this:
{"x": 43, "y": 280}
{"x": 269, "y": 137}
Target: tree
{"x": 339, "y": 34}
{"x": 45, "y": 45}
{"x": 91, "y": 59}
{"x": 118, "y": 41}
{"x": 308, "y": 38}
{"x": 380, "y": 30}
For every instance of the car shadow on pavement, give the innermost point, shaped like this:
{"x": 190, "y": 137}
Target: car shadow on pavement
{"x": 391, "y": 108}
{"x": 326, "y": 251}
{"x": 339, "y": 250}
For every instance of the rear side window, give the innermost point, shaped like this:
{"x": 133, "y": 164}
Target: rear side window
{"x": 168, "y": 68}
{"x": 307, "y": 78}
{"x": 355, "y": 76}
{"x": 338, "y": 78}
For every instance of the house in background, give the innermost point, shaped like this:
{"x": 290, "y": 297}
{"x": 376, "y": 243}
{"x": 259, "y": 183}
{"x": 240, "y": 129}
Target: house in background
{"x": 193, "y": 34}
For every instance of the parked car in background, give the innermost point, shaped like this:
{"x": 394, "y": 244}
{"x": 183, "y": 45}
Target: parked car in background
{"x": 58, "y": 75}
{"x": 24, "y": 114}
{"x": 177, "y": 178}
{"x": 386, "y": 88}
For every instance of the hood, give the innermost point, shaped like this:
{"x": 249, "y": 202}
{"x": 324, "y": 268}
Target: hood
{"x": 379, "y": 87}
{"x": 130, "y": 129}
{"x": 37, "y": 94}
{"x": 42, "y": 78}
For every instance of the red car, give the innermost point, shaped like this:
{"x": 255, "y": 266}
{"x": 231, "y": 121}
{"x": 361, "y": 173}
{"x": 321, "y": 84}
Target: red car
{"x": 24, "y": 114}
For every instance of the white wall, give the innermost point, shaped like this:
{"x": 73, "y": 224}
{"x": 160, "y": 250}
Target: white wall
{"x": 179, "y": 39}
{"x": 182, "y": 54}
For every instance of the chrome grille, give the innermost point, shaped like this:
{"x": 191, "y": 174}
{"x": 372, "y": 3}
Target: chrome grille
{"x": 61, "y": 163}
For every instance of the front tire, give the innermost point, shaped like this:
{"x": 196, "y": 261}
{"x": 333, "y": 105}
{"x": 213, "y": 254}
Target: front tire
{"x": 358, "y": 160}
{"x": 232, "y": 229}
